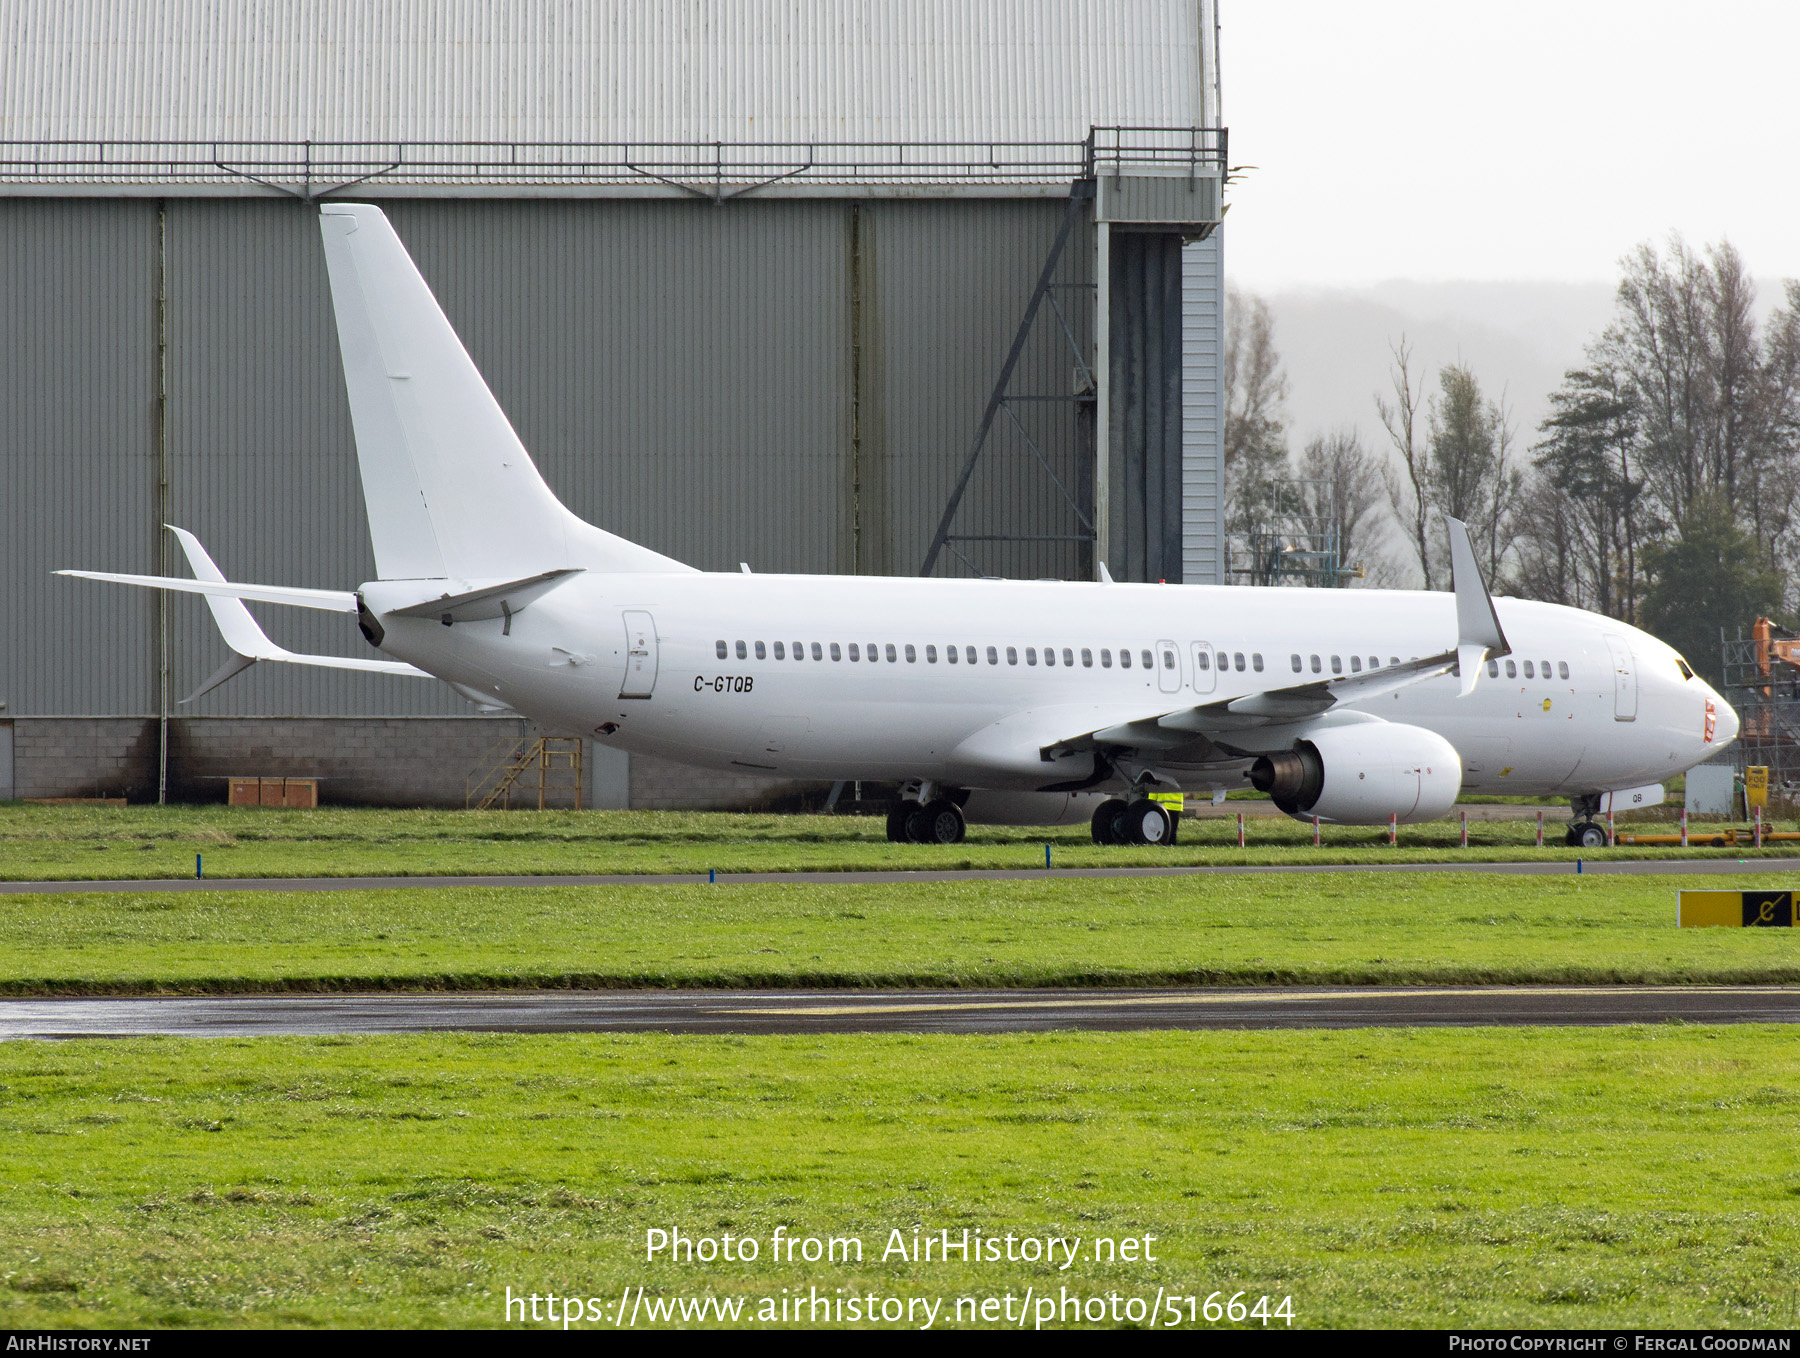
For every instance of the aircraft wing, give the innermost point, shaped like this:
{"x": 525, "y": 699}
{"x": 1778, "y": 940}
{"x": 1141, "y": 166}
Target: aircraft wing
{"x": 1205, "y": 733}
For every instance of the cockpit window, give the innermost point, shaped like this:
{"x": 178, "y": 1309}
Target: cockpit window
{"x": 1682, "y": 665}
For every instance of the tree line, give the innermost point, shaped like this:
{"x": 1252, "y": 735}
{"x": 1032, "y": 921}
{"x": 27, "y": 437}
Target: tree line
{"x": 1663, "y": 488}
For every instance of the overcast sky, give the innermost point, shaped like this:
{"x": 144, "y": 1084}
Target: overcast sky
{"x": 1449, "y": 139}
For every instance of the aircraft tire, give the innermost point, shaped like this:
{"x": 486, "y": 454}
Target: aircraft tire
{"x": 1145, "y": 822}
{"x": 941, "y": 822}
{"x": 1588, "y": 835}
{"x": 1106, "y": 820}
{"x": 896, "y": 821}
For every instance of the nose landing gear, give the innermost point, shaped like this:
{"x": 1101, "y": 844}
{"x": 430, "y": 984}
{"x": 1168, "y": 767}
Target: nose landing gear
{"x": 1585, "y": 832}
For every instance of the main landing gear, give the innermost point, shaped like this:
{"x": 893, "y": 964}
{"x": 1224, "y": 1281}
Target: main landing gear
{"x": 1585, "y": 832}
{"x": 937, "y": 821}
{"x": 1138, "y": 821}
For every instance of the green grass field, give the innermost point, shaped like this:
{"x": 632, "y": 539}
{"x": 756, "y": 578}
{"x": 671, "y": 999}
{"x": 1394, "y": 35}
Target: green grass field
{"x": 1344, "y": 928}
{"x": 1639, "y": 1177}
{"x": 87, "y": 843}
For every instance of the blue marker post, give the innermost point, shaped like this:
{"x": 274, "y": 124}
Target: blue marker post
{"x": 197, "y": 873}
{"x": 712, "y": 875}
{"x": 1046, "y": 855}
{"x": 1578, "y": 867}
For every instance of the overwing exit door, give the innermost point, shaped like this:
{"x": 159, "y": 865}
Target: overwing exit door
{"x": 640, "y": 655}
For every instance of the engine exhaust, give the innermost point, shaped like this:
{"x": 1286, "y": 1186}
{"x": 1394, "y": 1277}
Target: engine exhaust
{"x": 1292, "y": 778}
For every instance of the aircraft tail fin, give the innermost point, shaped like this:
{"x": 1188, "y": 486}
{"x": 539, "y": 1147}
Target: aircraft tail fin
{"x": 450, "y": 491}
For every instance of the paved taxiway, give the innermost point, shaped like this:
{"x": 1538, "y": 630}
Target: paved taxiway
{"x": 1540, "y": 868}
{"x": 895, "y": 1011}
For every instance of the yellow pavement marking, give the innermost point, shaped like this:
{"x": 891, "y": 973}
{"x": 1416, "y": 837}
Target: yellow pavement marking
{"x": 1132, "y": 1001}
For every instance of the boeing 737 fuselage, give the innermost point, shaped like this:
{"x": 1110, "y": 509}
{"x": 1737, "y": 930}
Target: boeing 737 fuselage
{"x": 1023, "y": 700}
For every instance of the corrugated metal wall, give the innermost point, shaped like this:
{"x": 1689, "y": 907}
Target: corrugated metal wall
{"x": 603, "y": 70}
{"x": 1202, "y": 427}
{"x": 77, "y": 386}
{"x": 686, "y": 375}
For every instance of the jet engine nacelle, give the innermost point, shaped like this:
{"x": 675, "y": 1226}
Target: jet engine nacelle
{"x": 1362, "y": 774}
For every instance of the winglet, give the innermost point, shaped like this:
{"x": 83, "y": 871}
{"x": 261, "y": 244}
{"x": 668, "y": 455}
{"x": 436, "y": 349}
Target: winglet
{"x": 1105, "y": 575}
{"x": 1478, "y": 634}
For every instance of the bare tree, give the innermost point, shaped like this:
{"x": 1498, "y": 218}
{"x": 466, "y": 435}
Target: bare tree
{"x": 1343, "y": 489}
{"x": 1407, "y": 491}
{"x": 1255, "y": 430}
{"x": 1467, "y": 474}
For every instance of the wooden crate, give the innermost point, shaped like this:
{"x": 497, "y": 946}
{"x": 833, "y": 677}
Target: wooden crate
{"x": 274, "y": 792}
{"x": 245, "y": 792}
{"x": 302, "y": 793}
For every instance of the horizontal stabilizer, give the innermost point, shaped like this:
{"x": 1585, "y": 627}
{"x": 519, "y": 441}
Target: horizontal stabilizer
{"x": 491, "y": 601}
{"x": 330, "y": 600}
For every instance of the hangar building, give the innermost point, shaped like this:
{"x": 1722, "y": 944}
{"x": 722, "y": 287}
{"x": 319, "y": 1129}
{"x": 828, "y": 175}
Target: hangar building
{"x": 880, "y": 286}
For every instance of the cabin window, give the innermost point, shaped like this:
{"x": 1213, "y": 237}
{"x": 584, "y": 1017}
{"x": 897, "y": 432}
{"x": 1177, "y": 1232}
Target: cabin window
{"x": 891, "y": 654}
{"x": 1105, "y": 658}
{"x": 1530, "y": 673}
{"x": 1544, "y": 669}
{"x": 1049, "y": 655}
{"x": 1012, "y": 655}
{"x": 1374, "y": 662}
{"x": 742, "y": 652}
{"x": 1124, "y": 659}
{"x": 780, "y": 651}
{"x": 818, "y": 653}
{"x": 1356, "y": 664}
{"x": 1144, "y": 656}
{"x": 993, "y": 655}
{"x": 722, "y": 651}
{"x": 969, "y": 654}
{"x": 1295, "y": 661}
{"x": 1256, "y": 661}
{"x": 1224, "y": 662}
{"x": 1493, "y": 669}
{"x": 1168, "y": 660}
{"x": 1237, "y": 661}
{"x": 1315, "y": 664}
{"x": 761, "y": 651}
{"x": 1087, "y": 659}
{"x": 1512, "y": 670}
{"x": 1031, "y": 655}
{"x": 1562, "y": 669}
{"x": 853, "y": 652}
{"x": 951, "y": 655}
{"x": 836, "y": 654}
{"x": 931, "y": 655}
{"x": 1202, "y": 660}
{"x": 912, "y": 656}
{"x": 1337, "y": 666}
{"x": 1068, "y": 656}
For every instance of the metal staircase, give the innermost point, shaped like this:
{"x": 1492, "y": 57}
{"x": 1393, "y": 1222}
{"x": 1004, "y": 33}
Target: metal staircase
{"x": 546, "y": 766}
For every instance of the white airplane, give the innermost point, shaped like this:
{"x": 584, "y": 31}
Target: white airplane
{"x": 1029, "y": 702}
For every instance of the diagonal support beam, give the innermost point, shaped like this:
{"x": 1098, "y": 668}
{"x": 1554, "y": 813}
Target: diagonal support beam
{"x": 1079, "y": 193}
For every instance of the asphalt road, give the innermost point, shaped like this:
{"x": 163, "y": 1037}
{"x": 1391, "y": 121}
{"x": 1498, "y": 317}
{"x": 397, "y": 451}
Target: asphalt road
{"x": 896, "y": 1011}
{"x": 1541, "y": 868}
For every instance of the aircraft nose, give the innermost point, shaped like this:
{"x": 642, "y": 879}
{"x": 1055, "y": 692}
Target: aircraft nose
{"x": 1721, "y": 718}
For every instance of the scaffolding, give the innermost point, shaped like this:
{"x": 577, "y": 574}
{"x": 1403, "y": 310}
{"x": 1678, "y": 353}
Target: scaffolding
{"x": 1296, "y": 540}
{"x": 1762, "y": 682}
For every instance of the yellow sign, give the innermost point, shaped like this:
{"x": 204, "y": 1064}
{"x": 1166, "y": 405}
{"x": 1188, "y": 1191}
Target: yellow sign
{"x": 1735, "y": 909}
{"x": 1756, "y": 786}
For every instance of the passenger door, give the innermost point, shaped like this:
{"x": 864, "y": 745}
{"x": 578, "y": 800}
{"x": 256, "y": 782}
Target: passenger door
{"x": 1625, "y": 692}
{"x": 640, "y": 655}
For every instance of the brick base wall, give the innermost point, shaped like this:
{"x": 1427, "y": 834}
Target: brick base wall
{"x": 360, "y": 761}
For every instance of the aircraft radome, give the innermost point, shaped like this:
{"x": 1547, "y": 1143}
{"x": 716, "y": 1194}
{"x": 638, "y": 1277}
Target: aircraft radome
{"x": 1029, "y": 701}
